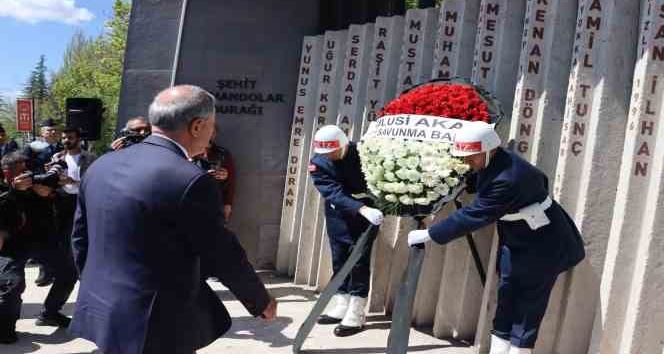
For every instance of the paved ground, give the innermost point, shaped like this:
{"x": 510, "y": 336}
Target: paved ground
{"x": 247, "y": 336}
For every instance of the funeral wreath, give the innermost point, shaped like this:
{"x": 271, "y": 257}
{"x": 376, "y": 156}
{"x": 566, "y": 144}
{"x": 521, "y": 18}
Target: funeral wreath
{"x": 405, "y": 153}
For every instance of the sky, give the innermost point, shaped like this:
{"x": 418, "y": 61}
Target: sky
{"x": 30, "y": 28}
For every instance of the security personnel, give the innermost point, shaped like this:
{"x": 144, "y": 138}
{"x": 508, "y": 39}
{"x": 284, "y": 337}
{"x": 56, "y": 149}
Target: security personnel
{"x": 537, "y": 239}
{"x": 336, "y": 172}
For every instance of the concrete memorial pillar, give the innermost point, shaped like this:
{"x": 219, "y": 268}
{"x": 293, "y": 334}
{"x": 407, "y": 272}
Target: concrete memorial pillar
{"x": 457, "y": 29}
{"x": 414, "y": 68}
{"x": 642, "y": 333}
{"x": 453, "y": 54}
{"x": 383, "y": 66}
{"x": 356, "y": 72}
{"x": 327, "y": 99}
{"x": 296, "y": 173}
{"x": 495, "y": 67}
{"x": 591, "y": 146}
{"x": 349, "y": 118}
{"x": 628, "y": 264}
{"x": 380, "y": 88}
{"x": 539, "y": 104}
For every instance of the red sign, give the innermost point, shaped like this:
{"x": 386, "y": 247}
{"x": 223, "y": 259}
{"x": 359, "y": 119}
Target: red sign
{"x": 24, "y": 112}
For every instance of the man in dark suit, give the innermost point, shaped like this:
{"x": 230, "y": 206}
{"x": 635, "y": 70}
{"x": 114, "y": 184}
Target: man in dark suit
{"x": 537, "y": 239}
{"x": 147, "y": 222}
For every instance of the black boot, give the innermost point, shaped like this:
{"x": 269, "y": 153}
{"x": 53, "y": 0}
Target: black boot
{"x": 325, "y": 320}
{"x": 44, "y": 278}
{"x": 8, "y": 338}
{"x": 55, "y": 319}
{"x": 345, "y": 331}
{"x": 7, "y": 334}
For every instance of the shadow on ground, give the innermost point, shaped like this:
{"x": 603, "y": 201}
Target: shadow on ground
{"x": 411, "y": 349}
{"x": 31, "y": 342}
{"x": 256, "y": 329}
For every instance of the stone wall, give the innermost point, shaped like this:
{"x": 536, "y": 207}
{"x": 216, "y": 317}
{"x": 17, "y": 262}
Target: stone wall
{"x": 247, "y": 53}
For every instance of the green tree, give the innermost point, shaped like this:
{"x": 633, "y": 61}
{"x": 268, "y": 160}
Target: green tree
{"x": 414, "y": 4}
{"x": 37, "y": 87}
{"x": 8, "y": 118}
{"x": 92, "y": 67}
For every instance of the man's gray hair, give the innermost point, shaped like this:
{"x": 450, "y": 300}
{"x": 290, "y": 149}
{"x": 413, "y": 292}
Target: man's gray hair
{"x": 174, "y": 108}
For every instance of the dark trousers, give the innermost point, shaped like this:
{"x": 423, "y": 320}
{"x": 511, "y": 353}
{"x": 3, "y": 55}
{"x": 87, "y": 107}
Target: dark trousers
{"x": 357, "y": 282}
{"x": 522, "y": 300}
{"x": 12, "y": 281}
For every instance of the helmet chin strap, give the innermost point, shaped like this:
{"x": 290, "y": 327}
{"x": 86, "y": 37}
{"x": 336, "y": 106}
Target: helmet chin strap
{"x": 487, "y": 159}
{"x": 344, "y": 149}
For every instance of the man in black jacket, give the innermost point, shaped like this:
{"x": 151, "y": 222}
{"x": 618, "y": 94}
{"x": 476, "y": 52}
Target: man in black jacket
{"x": 27, "y": 218}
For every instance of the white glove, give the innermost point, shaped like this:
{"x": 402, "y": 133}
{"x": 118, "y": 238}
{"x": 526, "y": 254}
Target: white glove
{"x": 418, "y": 236}
{"x": 374, "y": 216}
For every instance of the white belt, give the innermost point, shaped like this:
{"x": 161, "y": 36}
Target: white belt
{"x": 534, "y": 214}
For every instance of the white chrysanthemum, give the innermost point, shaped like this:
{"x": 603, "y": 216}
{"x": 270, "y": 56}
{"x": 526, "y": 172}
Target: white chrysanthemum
{"x": 413, "y": 175}
{"x": 413, "y": 162}
{"x": 442, "y": 189}
{"x": 451, "y": 181}
{"x": 400, "y": 151}
{"x": 429, "y": 179}
{"x": 416, "y": 188}
{"x": 433, "y": 195}
{"x": 407, "y": 172}
{"x": 406, "y": 200}
{"x": 401, "y": 188}
{"x": 422, "y": 201}
{"x": 445, "y": 172}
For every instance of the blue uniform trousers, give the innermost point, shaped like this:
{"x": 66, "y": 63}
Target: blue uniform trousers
{"x": 522, "y": 302}
{"x": 357, "y": 282}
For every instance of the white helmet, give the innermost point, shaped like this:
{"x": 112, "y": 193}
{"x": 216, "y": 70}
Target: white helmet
{"x": 329, "y": 138}
{"x": 475, "y": 138}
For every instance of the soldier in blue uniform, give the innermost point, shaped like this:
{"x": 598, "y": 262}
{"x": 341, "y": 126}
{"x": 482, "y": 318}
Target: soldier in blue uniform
{"x": 537, "y": 239}
{"x": 336, "y": 173}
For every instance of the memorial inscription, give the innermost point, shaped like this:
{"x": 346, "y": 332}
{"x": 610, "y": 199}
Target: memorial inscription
{"x": 447, "y": 43}
{"x": 249, "y": 100}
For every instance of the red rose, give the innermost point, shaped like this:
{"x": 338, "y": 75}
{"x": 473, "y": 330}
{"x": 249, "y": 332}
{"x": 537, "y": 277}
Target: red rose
{"x": 446, "y": 100}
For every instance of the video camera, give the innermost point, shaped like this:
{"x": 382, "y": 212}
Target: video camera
{"x": 129, "y": 137}
{"x": 51, "y": 177}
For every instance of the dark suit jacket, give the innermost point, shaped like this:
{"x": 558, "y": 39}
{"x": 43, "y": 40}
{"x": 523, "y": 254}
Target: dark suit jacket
{"x": 8, "y": 147}
{"x": 508, "y": 184}
{"x": 146, "y": 220}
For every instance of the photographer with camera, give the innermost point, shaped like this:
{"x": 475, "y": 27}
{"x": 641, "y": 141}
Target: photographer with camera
{"x": 75, "y": 162}
{"x": 29, "y": 199}
{"x": 136, "y": 129}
